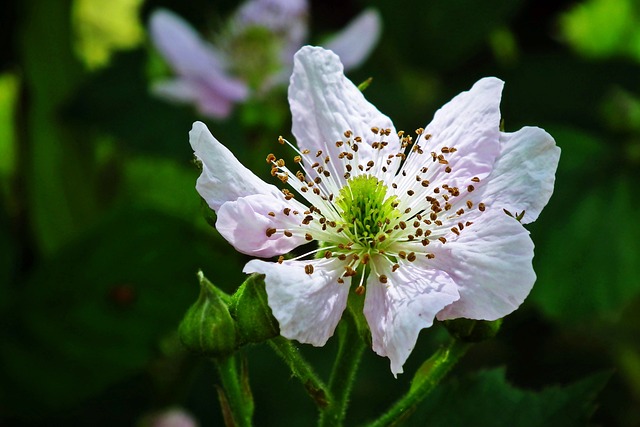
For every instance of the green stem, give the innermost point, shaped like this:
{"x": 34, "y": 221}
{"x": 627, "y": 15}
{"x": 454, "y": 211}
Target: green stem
{"x": 427, "y": 378}
{"x": 301, "y": 369}
{"x": 344, "y": 372}
{"x": 235, "y": 396}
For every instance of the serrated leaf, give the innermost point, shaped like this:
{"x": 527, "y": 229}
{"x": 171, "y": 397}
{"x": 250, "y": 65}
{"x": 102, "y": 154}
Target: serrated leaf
{"x": 487, "y": 399}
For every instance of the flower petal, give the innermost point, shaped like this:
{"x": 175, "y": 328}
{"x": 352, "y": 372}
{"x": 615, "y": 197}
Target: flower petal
{"x": 223, "y": 177}
{"x": 470, "y": 124}
{"x": 245, "y": 221}
{"x": 524, "y": 174}
{"x": 197, "y": 62}
{"x": 176, "y": 90}
{"x": 325, "y": 104}
{"x": 307, "y": 306}
{"x": 354, "y": 43}
{"x": 407, "y": 303}
{"x": 491, "y": 262}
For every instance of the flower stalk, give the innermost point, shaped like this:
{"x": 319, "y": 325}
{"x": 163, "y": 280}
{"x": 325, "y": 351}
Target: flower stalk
{"x": 428, "y": 376}
{"x": 235, "y": 395}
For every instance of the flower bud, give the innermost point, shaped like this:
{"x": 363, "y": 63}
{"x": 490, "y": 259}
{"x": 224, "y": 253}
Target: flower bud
{"x": 469, "y": 330}
{"x": 253, "y": 315}
{"x": 208, "y": 328}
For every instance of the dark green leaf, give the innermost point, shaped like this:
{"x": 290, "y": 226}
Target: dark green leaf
{"x": 487, "y": 399}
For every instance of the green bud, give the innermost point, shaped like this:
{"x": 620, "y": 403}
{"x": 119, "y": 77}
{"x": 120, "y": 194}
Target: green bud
{"x": 253, "y": 316}
{"x": 208, "y": 328}
{"x": 469, "y": 330}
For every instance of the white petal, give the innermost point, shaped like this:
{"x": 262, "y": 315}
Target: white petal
{"x": 491, "y": 262}
{"x": 244, "y": 223}
{"x": 307, "y": 306}
{"x": 355, "y": 42}
{"x": 524, "y": 174}
{"x": 223, "y": 177}
{"x": 325, "y": 104}
{"x": 470, "y": 124}
{"x": 407, "y": 303}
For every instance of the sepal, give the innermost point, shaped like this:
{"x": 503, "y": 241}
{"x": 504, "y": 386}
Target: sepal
{"x": 208, "y": 327}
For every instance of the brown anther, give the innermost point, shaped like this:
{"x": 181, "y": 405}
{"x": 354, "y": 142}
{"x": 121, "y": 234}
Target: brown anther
{"x": 447, "y": 169}
{"x": 443, "y": 240}
{"x": 288, "y": 233}
{"x": 445, "y": 150}
{"x": 359, "y": 290}
{"x": 348, "y": 134}
{"x": 455, "y": 231}
{"x": 340, "y": 280}
{"x": 382, "y": 238}
{"x": 306, "y": 151}
{"x": 407, "y": 210}
{"x": 437, "y": 222}
{"x": 468, "y": 223}
{"x": 436, "y": 190}
{"x": 461, "y": 226}
{"x": 482, "y": 207}
{"x": 411, "y": 257}
{"x": 270, "y": 232}
{"x": 318, "y": 153}
{"x": 460, "y": 211}
{"x": 308, "y": 237}
{"x": 433, "y": 216}
{"x": 280, "y": 259}
{"x": 280, "y": 163}
{"x": 425, "y": 183}
{"x": 342, "y": 257}
{"x": 365, "y": 258}
{"x": 354, "y": 147}
{"x": 402, "y": 254}
{"x": 375, "y": 130}
{"x": 419, "y": 131}
{"x": 402, "y": 225}
{"x": 383, "y": 278}
{"x": 430, "y": 256}
{"x": 425, "y": 242}
{"x": 286, "y": 211}
{"x": 469, "y": 204}
{"x": 327, "y": 254}
{"x": 470, "y": 188}
{"x": 395, "y": 267}
{"x": 410, "y": 237}
{"x": 281, "y": 139}
{"x": 271, "y": 158}
{"x": 297, "y": 159}
{"x": 308, "y": 269}
{"x": 475, "y": 179}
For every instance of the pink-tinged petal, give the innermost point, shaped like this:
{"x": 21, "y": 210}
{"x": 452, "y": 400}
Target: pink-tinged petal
{"x": 470, "y": 124}
{"x": 491, "y": 263}
{"x": 524, "y": 174}
{"x": 223, "y": 177}
{"x": 307, "y": 306}
{"x": 198, "y": 63}
{"x": 245, "y": 221}
{"x": 325, "y": 104}
{"x": 398, "y": 310}
{"x": 355, "y": 42}
{"x": 182, "y": 46}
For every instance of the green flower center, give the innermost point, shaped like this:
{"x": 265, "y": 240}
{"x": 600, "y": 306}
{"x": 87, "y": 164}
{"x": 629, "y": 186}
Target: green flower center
{"x": 254, "y": 54}
{"x": 366, "y": 210}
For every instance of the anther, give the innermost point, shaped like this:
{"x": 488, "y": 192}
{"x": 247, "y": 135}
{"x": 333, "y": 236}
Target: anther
{"x": 308, "y": 269}
{"x": 383, "y": 278}
{"x": 270, "y": 232}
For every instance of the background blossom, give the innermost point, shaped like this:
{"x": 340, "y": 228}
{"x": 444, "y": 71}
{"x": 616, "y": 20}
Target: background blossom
{"x": 251, "y": 55}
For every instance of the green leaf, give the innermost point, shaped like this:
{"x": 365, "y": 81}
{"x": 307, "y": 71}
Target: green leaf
{"x": 58, "y": 175}
{"x": 94, "y": 315}
{"x": 487, "y": 399}
{"x": 586, "y": 257}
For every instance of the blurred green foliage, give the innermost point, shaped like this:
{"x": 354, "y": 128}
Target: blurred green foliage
{"x": 102, "y": 232}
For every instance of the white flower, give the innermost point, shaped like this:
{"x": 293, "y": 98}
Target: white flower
{"x": 417, "y": 226}
{"x": 253, "y": 54}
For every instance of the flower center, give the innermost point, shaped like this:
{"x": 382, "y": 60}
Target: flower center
{"x": 366, "y": 210}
